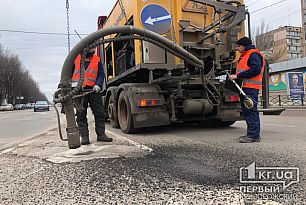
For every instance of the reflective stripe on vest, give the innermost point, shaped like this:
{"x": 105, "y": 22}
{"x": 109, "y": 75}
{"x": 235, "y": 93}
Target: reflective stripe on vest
{"x": 90, "y": 73}
{"x": 256, "y": 81}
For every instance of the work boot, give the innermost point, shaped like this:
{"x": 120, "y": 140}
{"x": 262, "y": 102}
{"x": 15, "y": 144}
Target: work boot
{"x": 243, "y": 136}
{"x": 85, "y": 141}
{"x": 249, "y": 139}
{"x": 104, "y": 138}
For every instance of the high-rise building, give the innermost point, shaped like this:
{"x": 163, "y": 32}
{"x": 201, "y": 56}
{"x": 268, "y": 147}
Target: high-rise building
{"x": 282, "y": 44}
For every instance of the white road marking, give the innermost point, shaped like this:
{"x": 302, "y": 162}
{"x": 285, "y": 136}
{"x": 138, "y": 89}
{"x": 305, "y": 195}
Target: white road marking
{"x": 7, "y": 150}
{"x": 3, "y": 117}
{"x": 23, "y": 177}
{"x": 140, "y": 146}
{"x": 280, "y": 125}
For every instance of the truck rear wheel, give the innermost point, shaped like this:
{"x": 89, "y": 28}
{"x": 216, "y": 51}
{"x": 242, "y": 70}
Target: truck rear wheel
{"x": 124, "y": 114}
{"x": 113, "y": 117}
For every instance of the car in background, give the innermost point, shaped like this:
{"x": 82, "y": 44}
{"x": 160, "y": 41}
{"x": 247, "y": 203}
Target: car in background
{"x": 19, "y": 107}
{"x": 28, "y": 106}
{"x": 6, "y": 107}
{"x": 41, "y": 106}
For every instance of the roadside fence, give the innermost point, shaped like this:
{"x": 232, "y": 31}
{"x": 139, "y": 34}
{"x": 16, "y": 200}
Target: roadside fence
{"x": 286, "y": 101}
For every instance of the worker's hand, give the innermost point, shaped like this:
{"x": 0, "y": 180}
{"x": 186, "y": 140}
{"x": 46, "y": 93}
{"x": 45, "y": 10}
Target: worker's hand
{"x": 233, "y": 77}
{"x": 96, "y": 89}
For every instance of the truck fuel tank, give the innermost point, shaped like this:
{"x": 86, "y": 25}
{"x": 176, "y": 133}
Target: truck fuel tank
{"x": 197, "y": 106}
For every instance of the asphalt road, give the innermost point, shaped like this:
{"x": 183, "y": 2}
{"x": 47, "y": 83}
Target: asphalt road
{"x": 188, "y": 164}
{"x": 16, "y": 126}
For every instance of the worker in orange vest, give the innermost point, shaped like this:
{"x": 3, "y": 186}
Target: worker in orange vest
{"x": 250, "y": 70}
{"x": 93, "y": 80}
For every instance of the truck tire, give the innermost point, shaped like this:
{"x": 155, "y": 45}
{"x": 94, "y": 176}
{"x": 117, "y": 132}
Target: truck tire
{"x": 113, "y": 118}
{"x": 124, "y": 114}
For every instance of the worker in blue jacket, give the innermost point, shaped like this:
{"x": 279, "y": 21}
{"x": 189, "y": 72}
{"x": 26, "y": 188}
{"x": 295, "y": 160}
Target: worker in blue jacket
{"x": 250, "y": 70}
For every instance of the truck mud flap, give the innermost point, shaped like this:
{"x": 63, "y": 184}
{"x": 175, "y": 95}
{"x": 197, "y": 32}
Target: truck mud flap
{"x": 231, "y": 115}
{"x": 151, "y": 119}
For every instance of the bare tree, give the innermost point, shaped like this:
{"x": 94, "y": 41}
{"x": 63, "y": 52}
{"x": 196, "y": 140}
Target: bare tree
{"x": 15, "y": 81}
{"x": 277, "y": 54}
{"x": 262, "y": 37}
{"x": 265, "y": 43}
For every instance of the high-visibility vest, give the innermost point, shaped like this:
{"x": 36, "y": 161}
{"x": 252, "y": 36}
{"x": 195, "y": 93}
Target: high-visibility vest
{"x": 90, "y": 73}
{"x": 256, "y": 81}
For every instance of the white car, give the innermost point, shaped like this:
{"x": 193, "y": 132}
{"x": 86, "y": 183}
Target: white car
{"x": 7, "y": 107}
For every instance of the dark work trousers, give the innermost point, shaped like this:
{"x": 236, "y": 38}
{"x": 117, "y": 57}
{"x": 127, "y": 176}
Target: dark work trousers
{"x": 251, "y": 116}
{"x": 95, "y": 102}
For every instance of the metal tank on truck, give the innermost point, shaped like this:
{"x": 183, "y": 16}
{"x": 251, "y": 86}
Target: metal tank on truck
{"x": 164, "y": 62}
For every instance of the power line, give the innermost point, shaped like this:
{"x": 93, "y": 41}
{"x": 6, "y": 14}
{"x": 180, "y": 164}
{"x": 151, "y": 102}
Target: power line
{"x": 36, "y": 48}
{"x": 246, "y": 2}
{"x": 38, "y": 33}
{"x": 282, "y": 17}
{"x": 253, "y": 3}
{"x": 275, "y": 20}
{"x": 268, "y": 6}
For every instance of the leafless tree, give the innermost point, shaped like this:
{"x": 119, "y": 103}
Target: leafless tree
{"x": 277, "y": 54}
{"x": 15, "y": 81}
{"x": 265, "y": 43}
{"x": 262, "y": 37}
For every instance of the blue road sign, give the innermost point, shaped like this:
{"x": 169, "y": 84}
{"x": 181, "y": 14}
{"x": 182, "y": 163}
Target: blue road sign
{"x": 156, "y": 18}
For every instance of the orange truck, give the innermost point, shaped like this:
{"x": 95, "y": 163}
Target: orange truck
{"x": 148, "y": 86}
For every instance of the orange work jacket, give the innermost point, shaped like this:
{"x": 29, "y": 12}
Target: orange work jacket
{"x": 256, "y": 81}
{"x": 90, "y": 73}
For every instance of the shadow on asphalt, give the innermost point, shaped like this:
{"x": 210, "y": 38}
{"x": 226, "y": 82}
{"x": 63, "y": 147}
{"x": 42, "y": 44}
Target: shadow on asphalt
{"x": 181, "y": 127}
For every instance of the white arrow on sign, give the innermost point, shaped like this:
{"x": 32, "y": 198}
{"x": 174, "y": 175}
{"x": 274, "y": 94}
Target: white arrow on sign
{"x": 151, "y": 20}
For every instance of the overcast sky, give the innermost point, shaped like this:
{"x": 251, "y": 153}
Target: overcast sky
{"x": 43, "y": 55}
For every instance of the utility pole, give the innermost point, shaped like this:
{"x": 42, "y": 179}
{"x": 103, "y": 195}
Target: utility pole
{"x": 68, "y": 24}
{"x": 265, "y": 84}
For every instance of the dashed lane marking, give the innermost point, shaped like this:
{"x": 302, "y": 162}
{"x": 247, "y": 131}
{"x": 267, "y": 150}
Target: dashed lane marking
{"x": 290, "y": 126}
{"x": 140, "y": 146}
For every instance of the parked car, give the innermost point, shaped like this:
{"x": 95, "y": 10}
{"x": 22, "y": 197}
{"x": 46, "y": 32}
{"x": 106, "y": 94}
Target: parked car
{"x": 41, "y": 106}
{"x": 7, "y": 107}
{"x": 19, "y": 107}
{"x": 28, "y": 106}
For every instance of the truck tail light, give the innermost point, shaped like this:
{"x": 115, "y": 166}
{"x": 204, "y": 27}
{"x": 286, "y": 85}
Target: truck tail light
{"x": 149, "y": 103}
{"x": 142, "y": 103}
{"x": 233, "y": 98}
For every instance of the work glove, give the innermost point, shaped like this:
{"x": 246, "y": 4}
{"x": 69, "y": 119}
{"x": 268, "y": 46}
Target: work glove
{"x": 96, "y": 89}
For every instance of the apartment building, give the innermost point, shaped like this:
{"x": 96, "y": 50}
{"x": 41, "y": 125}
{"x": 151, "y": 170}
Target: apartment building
{"x": 282, "y": 44}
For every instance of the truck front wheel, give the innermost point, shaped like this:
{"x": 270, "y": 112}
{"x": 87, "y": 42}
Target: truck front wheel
{"x": 124, "y": 114}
